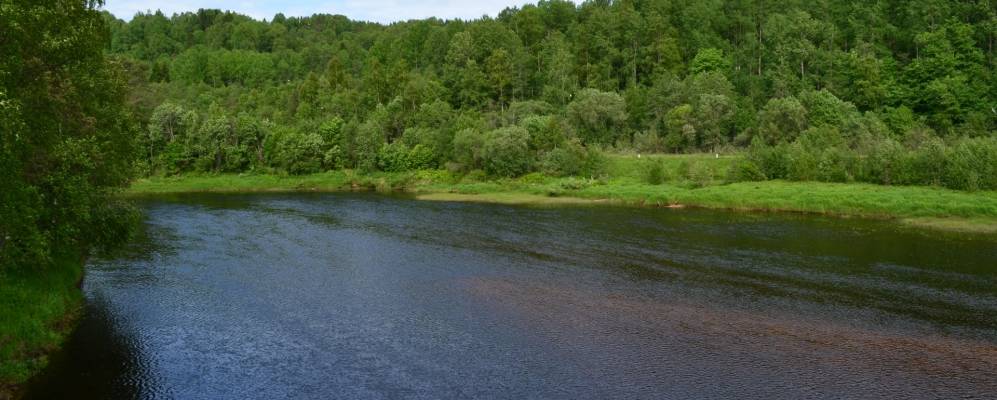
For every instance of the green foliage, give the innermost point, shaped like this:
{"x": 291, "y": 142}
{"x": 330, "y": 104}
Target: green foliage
{"x": 695, "y": 173}
{"x": 782, "y": 120}
{"x": 709, "y": 60}
{"x": 545, "y": 132}
{"x": 972, "y": 165}
{"x": 745, "y": 170}
{"x": 367, "y": 143}
{"x": 648, "y": 142}
{"x": 467, "y": 148}
{"x": 296, "y": 152}
{"x": 393, "y": 157}
{"x": 597, "y": 117}
{"x": 646, "y": 76}
{"x": 654, "y": 172}
{"x": 572, "y": 159}
{"x": 825, "y": 109}
{"x": 506, "y": 152}
{"x": 67, "y": 144}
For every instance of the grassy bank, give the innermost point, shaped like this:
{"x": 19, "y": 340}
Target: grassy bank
{"x": 688, "y": 181}
{"x": 37, "y": 310}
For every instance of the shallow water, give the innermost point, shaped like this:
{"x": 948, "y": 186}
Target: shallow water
{"x": 360, "y": 296}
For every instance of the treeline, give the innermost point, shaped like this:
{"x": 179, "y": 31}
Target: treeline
{"x": 66, "y": 142}
{"x": 889, "y": 92}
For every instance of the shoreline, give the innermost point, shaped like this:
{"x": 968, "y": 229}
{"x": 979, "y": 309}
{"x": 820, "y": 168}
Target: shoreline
{"x": 39, "y": 312}
{"x": 927, "y": 208}
{"x": 917, "y": 207}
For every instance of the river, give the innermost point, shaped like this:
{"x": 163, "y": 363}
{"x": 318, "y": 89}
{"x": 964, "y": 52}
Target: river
{"x": 364, "y": 296}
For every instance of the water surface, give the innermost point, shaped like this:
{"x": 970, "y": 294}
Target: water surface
{"x": 359, "y": 296}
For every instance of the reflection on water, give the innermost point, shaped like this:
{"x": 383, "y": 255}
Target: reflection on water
{"x": 364, "y": 296}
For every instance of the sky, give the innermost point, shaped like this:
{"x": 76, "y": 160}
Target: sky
{"x": 384, "y": 11}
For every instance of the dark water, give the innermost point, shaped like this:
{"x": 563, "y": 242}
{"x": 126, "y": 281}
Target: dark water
{"x": 371, "y": 297}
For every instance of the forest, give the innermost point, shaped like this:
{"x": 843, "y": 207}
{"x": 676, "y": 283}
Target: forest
{"x": 886, "y": 92}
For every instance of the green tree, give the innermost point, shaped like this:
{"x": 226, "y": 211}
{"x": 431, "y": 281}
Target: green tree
{"x": 558, "y": 70}
{"x": 598, "y": 117}
{"x": 66, "y": 138}
{"x": 500, "y": 72}
{"x": 709, "y": 60}
{"x": 506, "y": 152}
{"x": 782, "y": 120}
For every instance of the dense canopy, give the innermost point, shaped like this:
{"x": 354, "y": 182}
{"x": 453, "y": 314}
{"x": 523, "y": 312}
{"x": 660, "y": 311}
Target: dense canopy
{"x": 223, "y": 92}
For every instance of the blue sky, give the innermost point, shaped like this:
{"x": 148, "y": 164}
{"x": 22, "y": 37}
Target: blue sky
{"x": 367, "y": 10}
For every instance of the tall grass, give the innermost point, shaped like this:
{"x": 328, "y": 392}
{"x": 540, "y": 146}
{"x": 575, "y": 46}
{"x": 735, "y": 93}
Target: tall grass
{"x": 37, "y": 311}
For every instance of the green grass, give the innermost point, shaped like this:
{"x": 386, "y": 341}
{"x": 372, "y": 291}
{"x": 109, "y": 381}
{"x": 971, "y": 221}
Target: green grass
{"x": 37, "y": 310}
{"x": 625, "y": 183}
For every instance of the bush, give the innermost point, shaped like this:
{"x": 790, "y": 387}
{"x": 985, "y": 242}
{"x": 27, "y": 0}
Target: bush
{"x": 296, "y": 152}
{"x": 545, "y": 132}
{"x": 597, "y": 117}
{"x": 433, "y": 143}
{"x": 924, "y": 165}
{"x": 773, "y": 161}
{"x": 649, "y": 142}
{"x": 695, "y": 173}
{"x": 506, "y": 152}
{"x": 654, "y": 172}
{"x": 467, "y": 148}
{"x": 883, "y": 162}
{"x": 782, "y": 120}
{"x": 393, "y": 157}
{"x": 972, "y": 165}
{"x": 572, "y": 159}
{"x": 367, "y": 144}
{"x": 745, "y": 170}
{"x": 834, "y": 165}
{"x": 421, "y": 157}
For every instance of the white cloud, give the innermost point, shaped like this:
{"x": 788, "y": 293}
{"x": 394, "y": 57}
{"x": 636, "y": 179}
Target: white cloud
{"x": 371, "y": 10}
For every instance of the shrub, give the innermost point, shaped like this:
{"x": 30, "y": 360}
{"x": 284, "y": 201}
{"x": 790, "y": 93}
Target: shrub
{"x": 773, "y": 161}
{"x": 695, "y": 173}
{"x": 745, "y": 170}
{"x": 393, "y": 157}
{"x": 506, "y": 152}
{"x": 296, "y": 152}
{"x": 972, "y": 165}
{"x": 649, "y": 142}
{"x": 598, "y": 117}
{"x": 883, "y": 162}
{"x": 782, "y": 120}
{"x": 654, "y": 172}
{"x": 834, "y": 165}
{"x": 366, "y": 145}
{"x": 333, "y": 158}
{"x": 421, "y": 157}
{"x": 435, "y": 143}
{"x": 924, "y": 165}
{"x": 572, "y": 159}
{"x": 467, "y": 147}
{"x": 545, "y": 132}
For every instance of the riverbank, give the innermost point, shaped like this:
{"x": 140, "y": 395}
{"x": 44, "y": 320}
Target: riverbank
{"x": 926, "y": 207}
{"x": 37, "y": 311}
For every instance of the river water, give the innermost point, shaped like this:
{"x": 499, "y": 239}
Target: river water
{"x": 361, "y": 296}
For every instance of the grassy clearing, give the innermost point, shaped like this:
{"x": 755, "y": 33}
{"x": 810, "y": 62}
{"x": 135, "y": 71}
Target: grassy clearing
{"x": 37, "y": 310}
{"x": 690, "y": 180}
